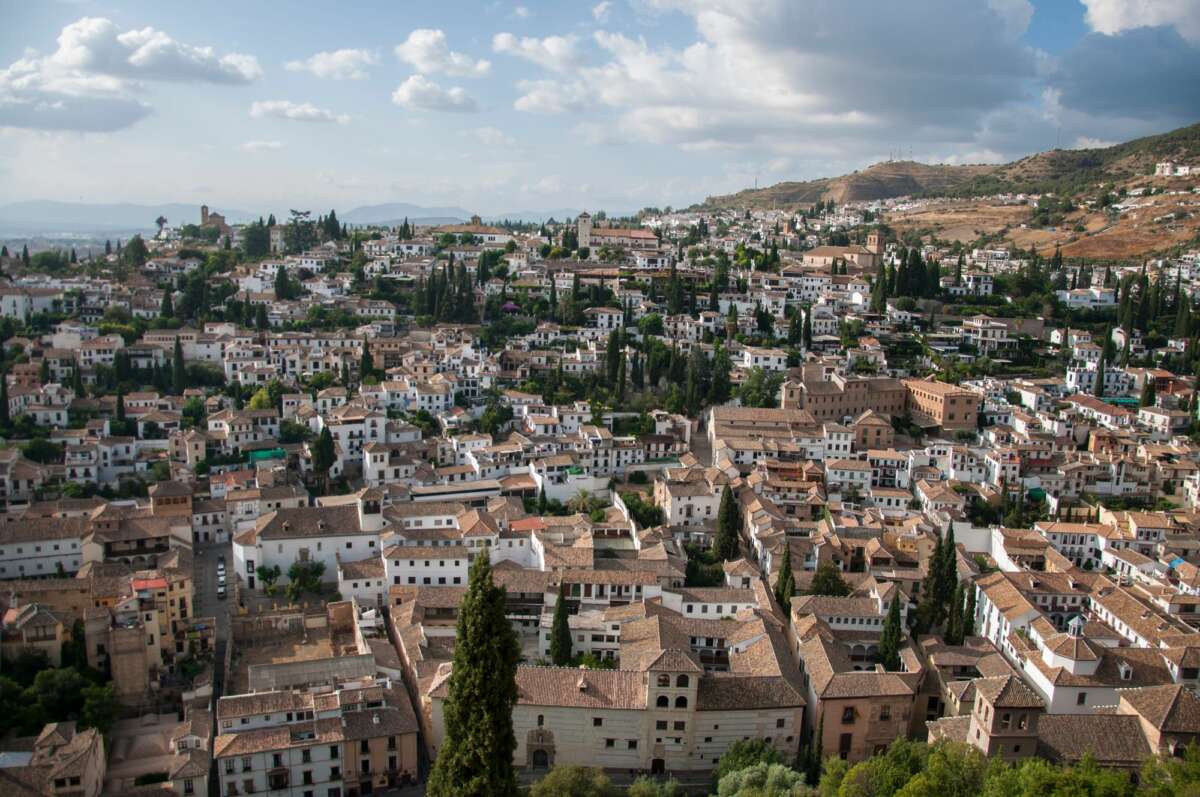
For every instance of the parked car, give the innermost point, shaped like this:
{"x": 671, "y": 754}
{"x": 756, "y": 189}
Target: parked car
{"x": 221, "y": 592}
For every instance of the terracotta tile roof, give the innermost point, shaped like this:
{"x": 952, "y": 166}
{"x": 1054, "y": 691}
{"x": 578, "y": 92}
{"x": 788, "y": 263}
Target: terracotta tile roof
{"x": 731, "y": 692}
{"x": 1007, "y": 691}
{"x": 1111, "y": 739}
{"x": 565, "y": 686}
{"x": 1171, "y": 708}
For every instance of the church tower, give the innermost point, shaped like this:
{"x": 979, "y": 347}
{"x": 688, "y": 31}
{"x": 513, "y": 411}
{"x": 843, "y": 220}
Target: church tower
{"x": 583, "y": 225}
{"x": 875, "y": 243}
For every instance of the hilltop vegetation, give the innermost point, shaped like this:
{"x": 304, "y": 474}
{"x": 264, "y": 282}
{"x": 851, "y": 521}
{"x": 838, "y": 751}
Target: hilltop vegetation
{"x": 1058, "y": 171}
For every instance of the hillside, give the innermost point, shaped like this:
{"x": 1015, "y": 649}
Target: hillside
{"x": 880, "y": 181}
{"x": 1059, "y": 171}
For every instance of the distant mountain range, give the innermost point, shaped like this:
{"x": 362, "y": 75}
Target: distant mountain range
{"x": 51, "y": 218}
{"x": 41, "y": 216}
{"x": 393, "y": 213}
{"x": 1062, "y": 171}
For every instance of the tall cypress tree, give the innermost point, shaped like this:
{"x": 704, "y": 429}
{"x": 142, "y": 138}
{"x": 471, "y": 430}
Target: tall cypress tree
{"x": 560, "y": 631}
{"x": 726, "y": 544}
{"x": 476, "y": 757}
{"x": 1098, "y": 391}
{"x": 4, "y": 415}
{"x": 785, "y": 583}
{"x": 954, "y": 622}
{"x": 889, "y": 641}
{"x": 366, "y": 365}
{"x": 968, "y": 621}
{"x": 178, "y": 369}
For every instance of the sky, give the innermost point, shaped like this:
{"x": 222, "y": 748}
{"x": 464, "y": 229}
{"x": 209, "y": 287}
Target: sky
{"x": 620, "y": 104}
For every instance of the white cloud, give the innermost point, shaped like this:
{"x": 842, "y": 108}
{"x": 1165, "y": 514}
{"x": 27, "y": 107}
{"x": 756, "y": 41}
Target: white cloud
{"x": 1113, "y": 16}
{"x": 426, "y": 51}
{"x": 261, "y": 146}
{"x": 549, "y": 96}
{"x": 556, "y": 53}
{"x": 342, "y": 64}
{"x": 493, "y": 137}
{"x": 420, "y": 93}
{"x": 522, "y": 12}
{"x": 94, "y": 79}
{"x": 295, "y": 111}
{"x": 601, "y": 10}
{"x": 1088, "y": 142}
{"x": 775, "y": 75}
{"x": 1015, "y": 14}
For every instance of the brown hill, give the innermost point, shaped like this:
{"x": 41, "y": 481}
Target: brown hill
{"x": 1058, "y": 171}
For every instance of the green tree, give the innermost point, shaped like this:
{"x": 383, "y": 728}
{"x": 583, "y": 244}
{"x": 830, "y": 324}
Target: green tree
{"x": 135, "y": 253}
{"x": 649, "y": 787}
{"x": 476, "y": 756}
{"x": 785, "y": 582}
{"x": 727, "y": 542}
{"x": 260, "y": 318}
{"x": 560, "y": 631}
{"x": 168, "y": 307}
{"x": 890, "y": 639}
{"x": 1098, "y": 391}
{"x": 763, "y": 780}
{"x": 968, "y": 624}
{"x": 1148, "y": 393}
{"x": 828, "y": 581}
{"x": 179, "y": 378}
{"x": 99, "y": 707}
{"x": 60, "y": 692}
{"x": 5, "y": 417}
{"x": 742, "y": 754}
{"x": 952, "y": 769}
{"x": 954, "y": 622}
{"x": 574, "y": 781}
{"x": 323, "y": 454}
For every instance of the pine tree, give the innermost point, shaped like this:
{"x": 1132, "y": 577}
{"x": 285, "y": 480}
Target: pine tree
{"x": 25, "y": 255}
{"x": 178, "y": 369}
{"x": 560, "y": 631}
{"x": 726, "y": 543}
{"x": 476, "y": 756}
{"x": 785, "y": 582}
{"x": 889, "y": 641}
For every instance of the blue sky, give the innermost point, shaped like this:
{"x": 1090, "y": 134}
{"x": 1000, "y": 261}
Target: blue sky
{"x": 504, "y": 107}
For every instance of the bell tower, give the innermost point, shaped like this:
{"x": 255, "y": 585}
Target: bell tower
{"x": 583, "y": 228}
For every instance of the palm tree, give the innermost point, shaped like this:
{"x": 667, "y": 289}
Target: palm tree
{"x": 580, "y": 502}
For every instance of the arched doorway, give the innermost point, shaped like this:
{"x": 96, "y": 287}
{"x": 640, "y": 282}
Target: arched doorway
{"x": 658, "y": 766}
{"x": 539, "y": 748}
